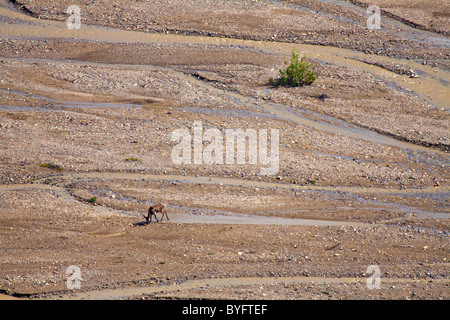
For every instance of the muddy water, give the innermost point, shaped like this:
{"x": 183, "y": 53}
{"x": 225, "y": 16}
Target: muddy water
{"x": 228, "y": 218}
{"x": 76, "y": 177}
{"x": 390, "y": 25}
{"x": 431, "y": 86}
{"x": 327, "y": 124}
{"x": 427, "y": 192}
{"x": 196, "y": 284}
{"x": 262, "y": 220}
{"x": 233, "y": 218}
{"x": 60, "y": 192}
{"x": 121, "y": 293}
{"x": 266, "y": 109}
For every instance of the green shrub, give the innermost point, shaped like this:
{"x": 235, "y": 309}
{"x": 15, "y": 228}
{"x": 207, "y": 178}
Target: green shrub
{"x": 133, "y": 159}
{"x": 52, "y": 166}
{"x": 297, "y": 73}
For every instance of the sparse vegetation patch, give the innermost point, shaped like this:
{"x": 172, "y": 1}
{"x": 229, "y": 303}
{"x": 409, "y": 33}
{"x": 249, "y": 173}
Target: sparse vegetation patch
{"x": 297, "y": 73}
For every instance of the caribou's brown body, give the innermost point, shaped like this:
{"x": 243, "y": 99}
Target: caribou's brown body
{"x": 153, "y": 210}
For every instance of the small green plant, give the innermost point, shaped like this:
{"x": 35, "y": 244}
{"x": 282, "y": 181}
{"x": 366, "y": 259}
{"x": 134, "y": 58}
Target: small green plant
{"x": 93, "y": 200}
{"x": 52, "y": 166}
{"x": 133, "y": 159}
{"x": 297, "y": 73}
